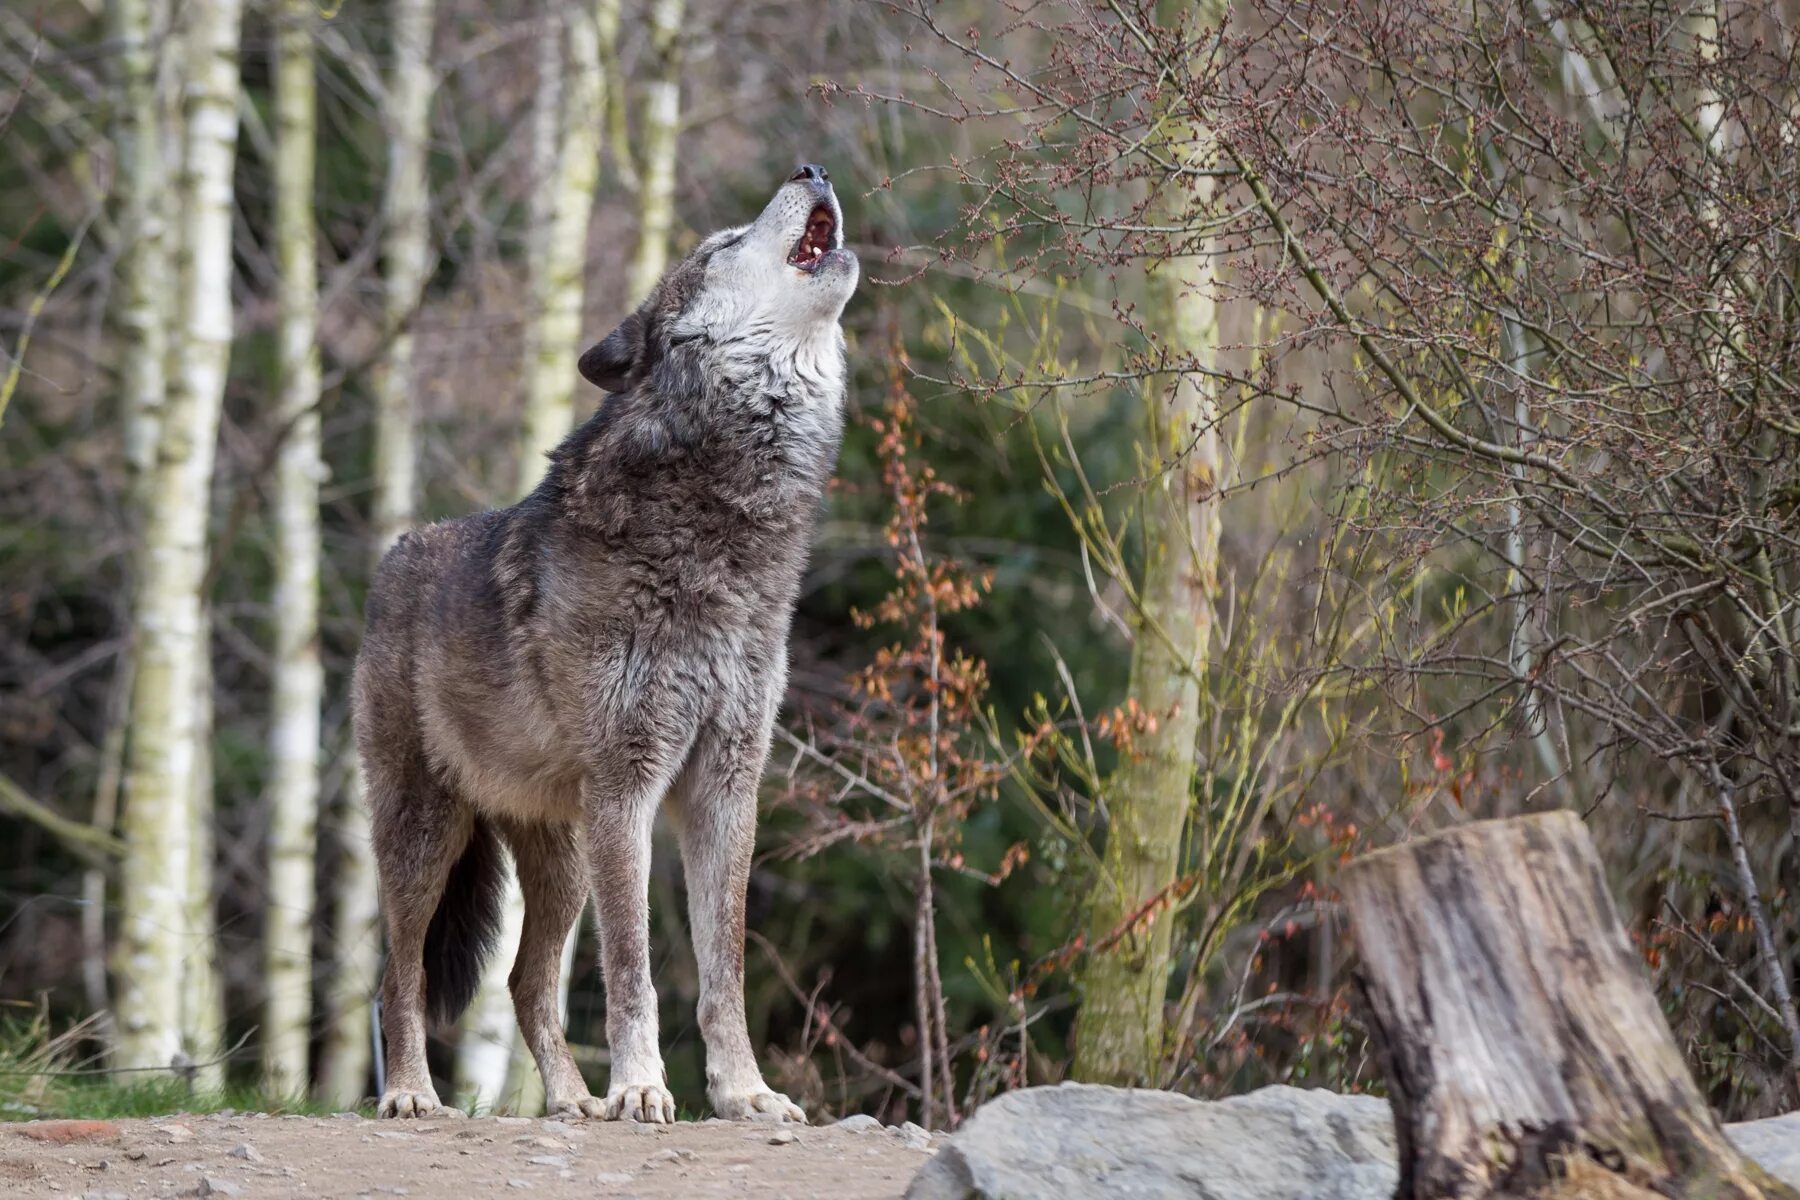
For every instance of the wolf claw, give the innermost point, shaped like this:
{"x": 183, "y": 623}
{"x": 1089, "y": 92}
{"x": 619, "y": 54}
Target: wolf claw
{"x": 649, "y": 1103}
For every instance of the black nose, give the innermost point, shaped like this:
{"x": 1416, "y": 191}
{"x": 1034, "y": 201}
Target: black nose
{"x": 812, "y": 172}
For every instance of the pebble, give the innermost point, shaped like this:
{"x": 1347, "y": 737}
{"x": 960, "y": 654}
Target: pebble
{"x": 212, "y": 1185}
{"x": 606, "y": 1178}
{"x": 915, "y": 1136}
{"x": 672, "y": 1154}
{"x": 782, "y": 1137}
{"x": 859, "y": 1123}
{"x": 247, "y": 1152}
{"x": 178, "y": 1133}
{"x": 548, "y": 1160}
{"x": 524, "y": 1185}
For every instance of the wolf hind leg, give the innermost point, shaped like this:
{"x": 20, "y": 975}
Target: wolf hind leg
{"x": 421, "y": 834}
{"x": 553, "y": 875}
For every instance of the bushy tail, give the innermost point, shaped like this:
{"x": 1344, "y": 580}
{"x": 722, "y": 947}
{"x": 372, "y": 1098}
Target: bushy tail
{"x": 465, "y": 927}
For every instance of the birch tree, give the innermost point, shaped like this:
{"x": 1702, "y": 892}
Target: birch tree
{"x": 406, "y": 226}
{"x": 165, "y": 760}
{"x": 299, "y": 679}
{"x": 569, "y": 109}
{"x": 348, "y": 1047}
{"x": 141, "y": 197}
{"x": 659, "y": 136}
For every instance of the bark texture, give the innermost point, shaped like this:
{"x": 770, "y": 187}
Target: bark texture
{"x": 1524, "y": 1052}
{"x": 406, "y": 212}
{"x": 659, "y": 136}
{"x": 164, "y": 769}
{"x": 348, "y": 1049}
{"x": 299, "y": 678}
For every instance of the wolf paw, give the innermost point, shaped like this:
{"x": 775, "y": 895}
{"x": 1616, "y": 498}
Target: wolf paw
{"x": 758, "y": 1104}
{"x": 649, "y": 1103}
{"x": 580, "y": 1108}
{"x": 409, "y": 1104}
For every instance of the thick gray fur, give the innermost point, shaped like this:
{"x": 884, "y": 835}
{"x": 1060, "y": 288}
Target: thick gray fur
{"x": 548, "y": 675}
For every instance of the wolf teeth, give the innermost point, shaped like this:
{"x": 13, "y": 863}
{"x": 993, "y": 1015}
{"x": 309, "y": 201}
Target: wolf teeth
{"x": 815, "y": 251}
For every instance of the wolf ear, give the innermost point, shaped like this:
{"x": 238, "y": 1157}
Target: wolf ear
{"x": 609, "y": 364}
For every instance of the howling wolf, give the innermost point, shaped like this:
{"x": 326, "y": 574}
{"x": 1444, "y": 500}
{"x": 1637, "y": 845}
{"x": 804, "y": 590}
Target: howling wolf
{"x": 546, "y": 676}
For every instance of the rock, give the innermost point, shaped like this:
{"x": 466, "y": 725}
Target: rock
{"x": 177, "y": 1133}
{"x": 672, "y": 1155}
{"x": 548, "y": 1160}
{"x": 858, "y": 1123}
{"x": 61, "y": 1133}
{"x": 212, "y": 1185}
{"x": 247, "y": 1152}
{"x": 782, "y": 1137}
{"x": 1279, "y": 1143}
{"x": 915, "y": 1136}
{"x": 609, "y": 1178}
{"x": 1774, "y": 1143}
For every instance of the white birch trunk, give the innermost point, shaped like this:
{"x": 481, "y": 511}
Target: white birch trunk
{"x": 493, "y": 1064}
{"x": 345, "y": 1057}
{"x": 299, "y": 678}
{"x": 202, "y": 994}
{"x": 163, "y": 772}
{"x": 490, "y": 1031}
{"x": 138, "y": 28}
{"x": 660, "y": 135}
{"x": 405, "y": 211}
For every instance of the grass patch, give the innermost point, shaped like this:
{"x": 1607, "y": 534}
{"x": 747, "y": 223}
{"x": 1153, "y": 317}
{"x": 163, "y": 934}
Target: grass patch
{"x": 46, "y": 1074}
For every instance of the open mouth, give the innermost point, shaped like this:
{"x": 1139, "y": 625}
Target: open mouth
{"x": 817, "y": 241}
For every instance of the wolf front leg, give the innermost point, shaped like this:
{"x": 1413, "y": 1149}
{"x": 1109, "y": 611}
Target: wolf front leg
{"x": 621, "y": 803}
{"x": 715, "y": 808}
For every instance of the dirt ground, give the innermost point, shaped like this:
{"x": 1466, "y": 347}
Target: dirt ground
{"x": 256, "y": 1156}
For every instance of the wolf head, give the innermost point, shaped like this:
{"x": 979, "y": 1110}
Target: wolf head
{"x": 782, "y": 280}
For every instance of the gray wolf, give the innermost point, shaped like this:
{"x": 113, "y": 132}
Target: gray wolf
{"x": 547, "y": 676}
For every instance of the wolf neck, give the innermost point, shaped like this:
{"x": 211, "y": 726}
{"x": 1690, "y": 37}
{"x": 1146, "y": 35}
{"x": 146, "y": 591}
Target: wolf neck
{"x": 744, "y": 426}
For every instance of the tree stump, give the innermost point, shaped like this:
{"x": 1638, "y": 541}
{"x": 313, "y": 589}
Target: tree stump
{"x": 1525, "y": 1054}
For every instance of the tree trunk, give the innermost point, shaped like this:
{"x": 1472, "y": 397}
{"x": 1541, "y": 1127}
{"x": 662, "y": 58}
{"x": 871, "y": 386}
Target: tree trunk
{"x": 659, "y": 136}
{"x": 348, "y": 1049}
{"x": 299, "y": 677}
{"x": 1524, "y": 1053}
{"x": 141, "y": 193}
{"x": 405, "y": 211}
{"x": 203, "y": 994}
{"x": 163, "y": 763}
{"x": 1119, "y": 1031}
{"x": 137, "y": 26}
